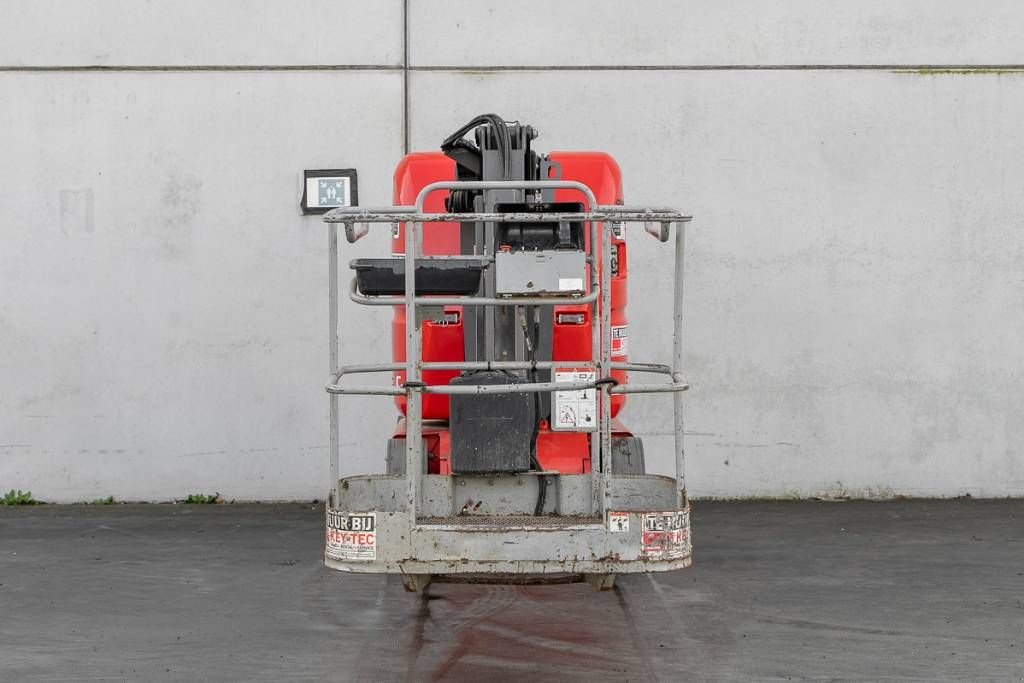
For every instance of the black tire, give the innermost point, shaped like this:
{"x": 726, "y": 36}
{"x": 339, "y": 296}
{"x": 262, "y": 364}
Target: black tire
{"x": 394, "y": 460}
{"x": 627, "y": 455}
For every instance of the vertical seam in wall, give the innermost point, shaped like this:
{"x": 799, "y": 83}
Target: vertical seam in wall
{"x": 405, "y": 76}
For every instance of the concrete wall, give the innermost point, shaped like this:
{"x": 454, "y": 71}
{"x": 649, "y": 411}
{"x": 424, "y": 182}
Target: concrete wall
{"x": 854, "y": 297}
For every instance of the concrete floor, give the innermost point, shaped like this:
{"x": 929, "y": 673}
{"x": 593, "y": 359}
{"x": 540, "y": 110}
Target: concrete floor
{"x": 912, "y": 589}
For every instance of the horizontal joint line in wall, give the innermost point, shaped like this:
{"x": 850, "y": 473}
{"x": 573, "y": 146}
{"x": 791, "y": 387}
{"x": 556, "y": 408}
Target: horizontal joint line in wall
{"x": 209, "y": 67}
{"x": 513, "y": 68}
{"x": 728, "y": 67}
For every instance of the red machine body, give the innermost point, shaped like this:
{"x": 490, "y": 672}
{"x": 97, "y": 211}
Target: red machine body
{"x": 565, "y": 452}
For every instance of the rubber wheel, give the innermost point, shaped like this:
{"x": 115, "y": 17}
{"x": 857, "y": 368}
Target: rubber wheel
{"x": 394, "y": 461}
{"x": 627, "y": 455}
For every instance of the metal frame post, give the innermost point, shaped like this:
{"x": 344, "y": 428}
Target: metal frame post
{"x": 677, "y": 364}
{"x": 596, "y": 467}
{"x": 605, "y": 422}
{"x": 413, "y": 395}
{"x": 332, "y": 317}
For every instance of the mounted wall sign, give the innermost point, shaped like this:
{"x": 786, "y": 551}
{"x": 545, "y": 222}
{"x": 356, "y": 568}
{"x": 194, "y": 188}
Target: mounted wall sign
{"x": 327, "y": 189}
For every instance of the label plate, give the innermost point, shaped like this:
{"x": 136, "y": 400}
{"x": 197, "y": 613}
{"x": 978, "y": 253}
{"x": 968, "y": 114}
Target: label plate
{"x": 574, "y": 411}
{"x": 618, "y": 521}
{"x": 351, "y": 535}
{"x": 666, "y": 535}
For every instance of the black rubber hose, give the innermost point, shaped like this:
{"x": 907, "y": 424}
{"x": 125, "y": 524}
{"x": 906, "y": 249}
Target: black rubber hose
{"x": 501, "y": 134}
{"x": 542, "y": 480}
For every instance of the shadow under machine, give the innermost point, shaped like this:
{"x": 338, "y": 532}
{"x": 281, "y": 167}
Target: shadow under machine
{"x": 510, "y": 366}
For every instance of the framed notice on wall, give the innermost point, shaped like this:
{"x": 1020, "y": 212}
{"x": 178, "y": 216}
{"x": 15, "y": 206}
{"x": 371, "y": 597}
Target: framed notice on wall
{"x": 327, "y": 189}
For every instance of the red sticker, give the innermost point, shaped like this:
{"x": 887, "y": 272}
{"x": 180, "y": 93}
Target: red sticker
{"x": 666, "y": 535}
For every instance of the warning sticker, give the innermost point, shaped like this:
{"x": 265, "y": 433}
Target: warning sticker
{"x": 620, "y": 340}
{"x": 666, "y": 535}
{"x": 351, "y": 535}
{"x": 618, "y": 521}
{"x": 575, "y": 410}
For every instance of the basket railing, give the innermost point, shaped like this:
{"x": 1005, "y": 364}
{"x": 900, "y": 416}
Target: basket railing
{"x": 599, "y": 219}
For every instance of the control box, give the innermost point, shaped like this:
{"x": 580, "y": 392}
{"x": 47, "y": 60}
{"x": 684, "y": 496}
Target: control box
{"x": 539, "y": 272}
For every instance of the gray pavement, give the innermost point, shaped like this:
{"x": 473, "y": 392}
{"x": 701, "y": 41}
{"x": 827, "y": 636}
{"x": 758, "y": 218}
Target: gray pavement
{"x": 854, "y": 590}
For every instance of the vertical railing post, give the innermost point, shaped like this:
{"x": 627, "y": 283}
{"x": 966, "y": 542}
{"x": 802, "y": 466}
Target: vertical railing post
{"x": 604, "y": 393}
{"x": 596, "y": 476}
{"x": 413, "y": 396}
{"x": 335, "y": 361}
{"x": 677, "y": 365}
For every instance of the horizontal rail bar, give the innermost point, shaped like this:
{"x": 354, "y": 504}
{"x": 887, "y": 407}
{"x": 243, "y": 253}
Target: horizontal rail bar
{"x": 355, "y": 295}
{"x": 626, "y": 208}
{"x": 504, "y": 365}
{"x": 642, "y": 212}
{"x": 337, "y": 374}
{"x": 373, "y": 367}
{"x": 524, "y": 388}
{"x": 649, "y": 388}
{"x": 643, "y": 367}
{"x": 365, "y": 390}
{"x": 365, "y": 216}
{"x": 463, "y": 365}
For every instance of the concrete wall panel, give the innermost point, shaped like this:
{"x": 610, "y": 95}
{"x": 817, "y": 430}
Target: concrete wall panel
{"x": 853, "y": 290}
{"x": 715, "y": 32}
{"x": 164, "y": 311}
{"x": 199, "y": 33}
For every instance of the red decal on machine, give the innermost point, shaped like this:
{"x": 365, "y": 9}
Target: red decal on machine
{"x": 666, "y": 535}
{"x": 620, "y": 340}
{"x": 351, "y": 535}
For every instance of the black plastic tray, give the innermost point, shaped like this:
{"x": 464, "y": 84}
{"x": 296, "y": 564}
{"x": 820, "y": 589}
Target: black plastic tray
{"x": 456, "y": 275}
